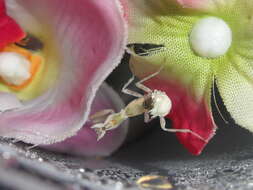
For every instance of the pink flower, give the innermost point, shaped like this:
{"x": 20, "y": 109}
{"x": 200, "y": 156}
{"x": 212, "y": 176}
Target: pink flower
{"x": 197, "y": 4}
{"x": 83, "y": 41}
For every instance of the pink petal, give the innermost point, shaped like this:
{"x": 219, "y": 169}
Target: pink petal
{"x": 9, "y": 101}
{"x": 125, "y": 7}
{"x": 197, "y": 4}
{"x": 187, "y": 113}
{"x": 90, "y": 38}
{"x": 85, "y": 141}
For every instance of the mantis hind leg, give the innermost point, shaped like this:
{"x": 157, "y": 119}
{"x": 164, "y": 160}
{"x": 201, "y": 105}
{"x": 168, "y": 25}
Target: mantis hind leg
{"x": 99, "y": 129}
{"x": 163, "y": 124}
{"x": 130, "y": 92}
{"x": 100, "y": 116}
{"x": 113, "y": 121}
{"x": 140, "y": 84}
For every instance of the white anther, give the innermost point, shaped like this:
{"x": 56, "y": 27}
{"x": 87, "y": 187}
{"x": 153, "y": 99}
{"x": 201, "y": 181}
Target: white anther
{"x": 14, "y": 68}
{"x": 211, "y": 37}
{"x": 162, "y": 104}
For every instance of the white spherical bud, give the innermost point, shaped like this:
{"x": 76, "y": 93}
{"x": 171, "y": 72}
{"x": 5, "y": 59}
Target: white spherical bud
{"x": 14, "y": 68}
{"x": 161, "y": 104}
{"x": 211, "y": 37}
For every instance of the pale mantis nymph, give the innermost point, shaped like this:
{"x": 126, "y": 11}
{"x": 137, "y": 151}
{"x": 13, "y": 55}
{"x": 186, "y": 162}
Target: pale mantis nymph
{"x": 154, "y": 103}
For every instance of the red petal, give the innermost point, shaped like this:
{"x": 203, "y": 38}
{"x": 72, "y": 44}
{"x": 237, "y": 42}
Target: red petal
{"x": 10, "y": 31}
{"x": 187, "y": 113}
{"x": 2, "y": 8}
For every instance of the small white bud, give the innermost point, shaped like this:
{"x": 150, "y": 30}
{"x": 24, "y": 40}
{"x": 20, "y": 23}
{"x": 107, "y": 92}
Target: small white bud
{"x": 162, "y": 104}
{"x": 211, "y": 37}
{"x": 14, "y": 68}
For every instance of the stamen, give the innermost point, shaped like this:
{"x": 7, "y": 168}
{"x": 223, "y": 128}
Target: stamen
{"x": 211, "y": 37}
{"x": 14, "y": 68}
{"x": 18, "y": 66}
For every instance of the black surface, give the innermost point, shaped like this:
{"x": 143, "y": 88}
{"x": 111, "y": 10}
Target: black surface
{"x": 225, "y": 164}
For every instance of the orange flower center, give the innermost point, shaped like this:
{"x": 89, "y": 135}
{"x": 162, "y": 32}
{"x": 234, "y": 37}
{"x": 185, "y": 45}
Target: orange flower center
{"x": 35, "y": 64}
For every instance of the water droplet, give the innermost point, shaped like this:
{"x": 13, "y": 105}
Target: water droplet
{"x": 119, "y": 186}
{"x": 154, "y": 182}
{"x": 82, "y": 170}
{"x": 27, "y": 154}
{"x": 33, "y": 156}
{"x": 40, "y": 160}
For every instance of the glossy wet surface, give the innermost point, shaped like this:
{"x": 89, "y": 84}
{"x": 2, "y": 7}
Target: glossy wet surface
{"x": 225, "y": 164}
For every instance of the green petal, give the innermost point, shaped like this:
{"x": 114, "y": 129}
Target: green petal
{"x": 235, "y": 76}
{"x": 166, "y": 23}
{"x": 198, "y": 81}
{"x": 237, "y": 94}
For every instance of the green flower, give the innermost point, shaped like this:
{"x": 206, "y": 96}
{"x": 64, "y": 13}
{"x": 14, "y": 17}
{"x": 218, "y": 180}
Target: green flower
{"x": 226, "y": 61}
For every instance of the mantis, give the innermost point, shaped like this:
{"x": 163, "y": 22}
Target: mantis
{"x": 153, "y": 104}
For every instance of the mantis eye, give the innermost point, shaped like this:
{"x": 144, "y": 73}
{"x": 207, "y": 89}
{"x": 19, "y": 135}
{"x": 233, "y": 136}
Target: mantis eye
{"x": 148, "y": 103}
